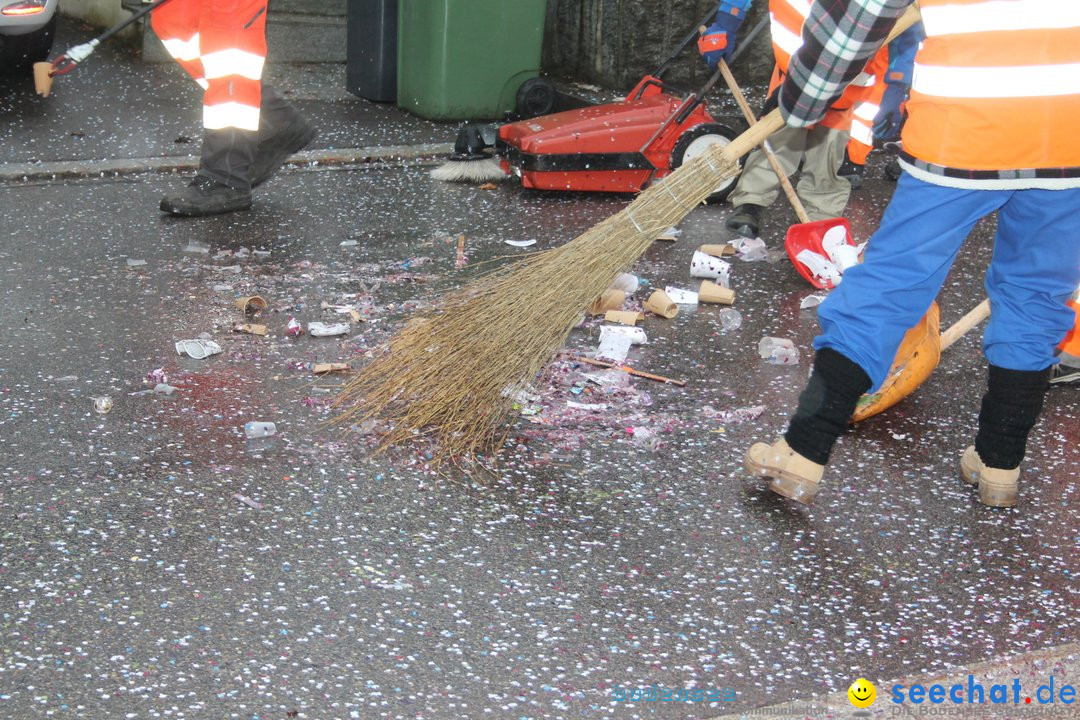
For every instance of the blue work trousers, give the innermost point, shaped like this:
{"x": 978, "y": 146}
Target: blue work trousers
{"x": 1035, "y": 268}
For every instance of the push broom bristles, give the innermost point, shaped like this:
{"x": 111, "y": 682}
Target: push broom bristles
{"x": 452, "y": 375}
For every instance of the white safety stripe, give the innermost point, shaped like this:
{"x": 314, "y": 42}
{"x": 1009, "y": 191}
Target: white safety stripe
{"x": 861, "y": 133}
{"x": 864, "y": 80}
{"x": 223, "y": 63}
{"x": 183, "y": 49}
{"x": 998, "y": 15}
{"x": 231, "y": 115}
{"x": 203, "y": 84}
{"x": 1002, "y": 184}
{"x": 867, "y": 111}
{"x": 786, "y": 40}
{"x": 997, "y": 82}
{"x": 800, "y": 6}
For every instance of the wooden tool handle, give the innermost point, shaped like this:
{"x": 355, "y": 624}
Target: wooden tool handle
{"x": 785, "y": 183}
{"x": 960, "y": 328}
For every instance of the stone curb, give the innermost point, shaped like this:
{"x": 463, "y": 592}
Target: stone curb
{"x": 81, "y": 169}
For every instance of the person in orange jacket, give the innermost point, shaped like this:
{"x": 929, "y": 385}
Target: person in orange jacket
{"x": 990, "y": 129}
{"x": 248, "y": 129}
{"x": 1067, "y": 369}
{"x": 816, "y": 151}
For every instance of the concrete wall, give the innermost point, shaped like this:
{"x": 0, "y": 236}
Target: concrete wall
{"x": 100, "y": 13}
{"x": 614, "y": 42}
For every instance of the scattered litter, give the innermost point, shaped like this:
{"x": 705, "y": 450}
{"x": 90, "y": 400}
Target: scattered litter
{"x": 294, "y": 328}
{"x": 488, "y": 186}
{"x": 103, "y": 404}
{"x": 248, "y": 501}
{"x": 778, "y": 351}
{"x": 730, "y": 319}
{"x": 320, "y": 368}
{"x": 590, "y": 407}
{"x": 645, "y": 437}
{"x": 670, "y": 235}
{"x": 199, "y": 349}
{"x": 712, "y": 268}
{"x": 842, "y": 254}
{"x": 738, "y": 415}
{"x": 637, "y": 335}
{"x": 611, "y": 299}
{"x": 646, "y": 399}
{"x": 261, "y": 253}
{"x": 135, "y": 262}
{"x": 680, "y": 296}
{"x": 608, "y": 378}
{"x": 710, "y": 292}
{"x": 899, "y": 436}
{"x": 623, "y": 317}
{"x": 250, "y": 329}
{"x": 231, "y": 269}
{"x": 348, "y": 243}
{"x": 520, "y": 243}
{"x": 626, "y": 282}
{"x": 751, "y": 249}
{"x": 196, "y": 248}
{"x": 460, "y": 258}
{"x": 718, "y": 250}
{"x": 222, "y": 287}
{"x": 812, "y": 300}
{"x": 662, "y": 305}
{"x": 820, "y": 267}
{"x": 319, "y": 329}
{"x": 156, "y": 376}
{"x": 614, "y": 347}
{"x": 164, "y": 389}
{"x": 259, "y": 429}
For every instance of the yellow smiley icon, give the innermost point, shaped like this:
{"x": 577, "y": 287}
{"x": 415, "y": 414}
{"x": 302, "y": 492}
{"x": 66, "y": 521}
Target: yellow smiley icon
{"x": 862, "y": 693}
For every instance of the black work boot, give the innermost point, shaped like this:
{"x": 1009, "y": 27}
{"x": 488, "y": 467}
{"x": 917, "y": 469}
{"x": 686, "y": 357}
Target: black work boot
{"x": 206, "y": 197}
{"x": 1010, "y": 409}
{"x": 852, "y": 172}
{"x": 278, "y": 145}
{"x": 746, "y": 220}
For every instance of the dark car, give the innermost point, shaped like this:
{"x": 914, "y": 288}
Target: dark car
{"x": 26, "y": 31}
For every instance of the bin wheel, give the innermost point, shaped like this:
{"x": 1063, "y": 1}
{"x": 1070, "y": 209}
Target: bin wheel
{"x": 695, "y": 141}
{"x": 535, "y": 97}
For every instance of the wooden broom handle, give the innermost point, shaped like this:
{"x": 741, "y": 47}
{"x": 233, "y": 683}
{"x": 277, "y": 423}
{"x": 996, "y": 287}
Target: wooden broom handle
{"x": 785, "y": 183}
{"x": 960, "y": 328}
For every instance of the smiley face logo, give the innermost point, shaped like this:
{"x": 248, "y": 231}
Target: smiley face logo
{"x": 862, "y": 693}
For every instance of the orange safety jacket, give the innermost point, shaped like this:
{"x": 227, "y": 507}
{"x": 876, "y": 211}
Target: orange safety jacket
{"x": 1071, "y": 343}
{"x": 862, "y": 118}
{"x": 995, "y": 95}
{"x": 222, "y": 45}
{"x": 786, "y": 19}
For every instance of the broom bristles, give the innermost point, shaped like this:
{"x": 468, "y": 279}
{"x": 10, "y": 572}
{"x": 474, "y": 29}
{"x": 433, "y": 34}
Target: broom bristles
{"x": 478, "y": 171}
{"x": 453, "y": 376}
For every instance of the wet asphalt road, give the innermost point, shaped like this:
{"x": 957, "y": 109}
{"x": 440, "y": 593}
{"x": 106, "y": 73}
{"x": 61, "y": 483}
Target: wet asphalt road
{"x": 135, "y": 583}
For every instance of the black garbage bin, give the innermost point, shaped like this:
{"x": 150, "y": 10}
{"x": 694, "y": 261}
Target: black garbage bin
{"x": 371, "y": 49}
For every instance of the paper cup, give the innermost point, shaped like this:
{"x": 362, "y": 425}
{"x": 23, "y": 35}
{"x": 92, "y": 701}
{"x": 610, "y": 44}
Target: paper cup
{"x": 662, "y": 305}
{"x": 42, "y": 78}
{"x": 626, "y": 282}
{"x": 623, "y": 317}
{"x": 709, "y": 267}
{"x": 251, "y": 305}
{"x": 718, "y": 250}
{"x": 637, "y": 335}
{"x": 250, "y": 329}
{"x": 611, "y": 299}
{"x": 710, "y": 292}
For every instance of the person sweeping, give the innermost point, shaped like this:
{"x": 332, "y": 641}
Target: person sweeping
{"x": 990, "y": 128}
{"x": 248, "y": 129}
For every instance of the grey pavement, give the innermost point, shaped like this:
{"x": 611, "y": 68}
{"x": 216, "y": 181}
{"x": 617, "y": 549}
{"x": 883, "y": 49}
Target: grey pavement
{"x": 156, "y": 564}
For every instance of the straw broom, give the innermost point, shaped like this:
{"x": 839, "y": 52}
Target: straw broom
{"x": 452, "y": 375}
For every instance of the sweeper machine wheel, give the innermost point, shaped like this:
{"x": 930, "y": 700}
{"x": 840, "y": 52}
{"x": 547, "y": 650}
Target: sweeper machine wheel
{"x": 695, "y": 141}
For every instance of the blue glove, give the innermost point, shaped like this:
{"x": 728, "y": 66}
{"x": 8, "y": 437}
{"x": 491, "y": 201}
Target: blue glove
{"x": 889, "y": 118}
{"x": 718, "y": 40}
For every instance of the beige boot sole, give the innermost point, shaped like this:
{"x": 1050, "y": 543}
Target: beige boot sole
{"x": 993, "y": 491}
{"x": 783, "y": 483}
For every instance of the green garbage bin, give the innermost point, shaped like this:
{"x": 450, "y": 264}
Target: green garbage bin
{"x": 466, "y": 59}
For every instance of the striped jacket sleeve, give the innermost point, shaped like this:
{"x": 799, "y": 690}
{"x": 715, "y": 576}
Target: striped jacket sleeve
{"x": 839, "y": 36}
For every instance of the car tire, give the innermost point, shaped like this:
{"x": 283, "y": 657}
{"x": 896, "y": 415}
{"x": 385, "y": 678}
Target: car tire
{"x": 693, "y": 143}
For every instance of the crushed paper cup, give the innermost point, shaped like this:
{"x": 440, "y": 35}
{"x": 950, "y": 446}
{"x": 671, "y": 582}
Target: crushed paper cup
{"x": 820, "y": 267}
{"x": 623, "y": 317}
{"x": 320, "y": 368}
{"x": 670, "y": 235}
{"x": 680, "y": 296}
{"x": 611, "y": 299}
{"x": 842, "y": 254}
{"x": 626, "y": 282}
{"x": 637, "y": 335}
{"x": 718, "y": 250}
{"x": 251, "y": 305}
{"x": 614, "y": 347}
{"x": 662, "y": 305}
{"x": 319, "y": 329}
{"x": 249, "y": 328}
{"x": 198, "y": 349}
{"x": 751, "y": 249}
{"x": 709, "y": 267}
{"x": 710, "y": 292}
{"x": 43, "y": 78}
{"x": 812, "y": 300}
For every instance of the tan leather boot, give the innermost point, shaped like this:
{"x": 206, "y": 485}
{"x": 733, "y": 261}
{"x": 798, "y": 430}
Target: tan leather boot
{"x": 997, "y": 487}
{"x": 793, "y": 475}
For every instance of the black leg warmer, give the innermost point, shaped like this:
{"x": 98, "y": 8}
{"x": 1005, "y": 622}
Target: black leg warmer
{"x": 1010, "y": 408}
{"x": 825, "y": 406}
